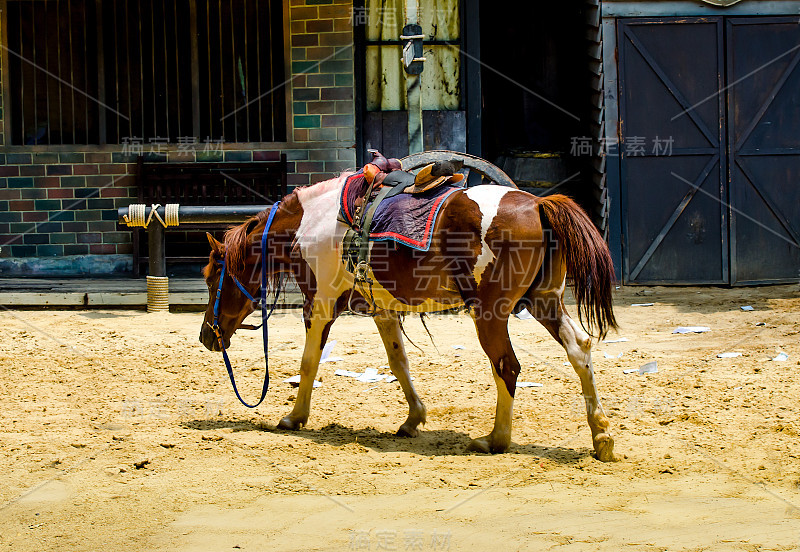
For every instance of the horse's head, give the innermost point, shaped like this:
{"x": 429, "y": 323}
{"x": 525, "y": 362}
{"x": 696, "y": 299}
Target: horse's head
{"x": 241, "y": 258}
{"x": 240, "y": 261}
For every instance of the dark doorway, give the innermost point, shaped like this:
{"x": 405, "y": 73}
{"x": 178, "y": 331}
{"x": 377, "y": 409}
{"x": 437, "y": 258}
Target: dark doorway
{"x": 535, "y": 87}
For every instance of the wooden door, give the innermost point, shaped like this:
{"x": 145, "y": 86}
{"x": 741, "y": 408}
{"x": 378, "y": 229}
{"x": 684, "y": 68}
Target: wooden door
{"x": 764, "y": 143}
{"x": 673, "y": 158}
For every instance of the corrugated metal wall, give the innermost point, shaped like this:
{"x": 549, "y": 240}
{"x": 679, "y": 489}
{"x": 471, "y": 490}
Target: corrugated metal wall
{"x": 594, "y": 36}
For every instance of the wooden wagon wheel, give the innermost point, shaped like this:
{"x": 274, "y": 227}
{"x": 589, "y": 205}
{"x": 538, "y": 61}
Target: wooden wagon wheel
{"x": 473, "y": 163}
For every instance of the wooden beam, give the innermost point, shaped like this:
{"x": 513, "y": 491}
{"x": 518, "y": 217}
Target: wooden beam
{"x": 4, "y": 73}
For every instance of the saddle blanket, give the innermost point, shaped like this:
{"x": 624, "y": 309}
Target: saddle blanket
{"x": 405, "y": 218}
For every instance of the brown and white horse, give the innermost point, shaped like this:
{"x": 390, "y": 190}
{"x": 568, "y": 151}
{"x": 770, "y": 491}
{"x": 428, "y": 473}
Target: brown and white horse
{"x": 493, "y": 249}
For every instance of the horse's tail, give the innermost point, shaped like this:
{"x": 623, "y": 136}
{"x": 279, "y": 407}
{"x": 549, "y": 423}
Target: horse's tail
{"x": 589, "y": 264}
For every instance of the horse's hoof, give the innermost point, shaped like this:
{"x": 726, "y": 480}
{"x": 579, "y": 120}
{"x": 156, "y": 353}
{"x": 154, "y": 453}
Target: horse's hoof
{"x": 290, "y": 424}
{"x": 407, "y": 431}
{"x": 479, "y": 445}
{"x": 604, "y": 448}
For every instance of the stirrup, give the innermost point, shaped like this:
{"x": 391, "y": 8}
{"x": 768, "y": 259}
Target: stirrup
{"x": 361, "y": 273}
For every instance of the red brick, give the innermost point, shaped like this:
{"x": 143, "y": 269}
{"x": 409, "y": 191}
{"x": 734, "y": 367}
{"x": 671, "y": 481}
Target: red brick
{"x": 333, "y": 12}
{"x": 301, "y": 134}
{"x": 103, "y": 249}
{"x": 343, "y": 25}
{"x": 31, "y": 170}
{"x": 298, "y": 27}
{"x": 85, "y": 169}
{"x": 307, "y": 12}
{"x": 115, "y": 168}
{"x": 295, "y": 179}
{"x": 305, "y": 40}
{"x": 124, "y": 248}
{"x": 299, "y": 81}
{"x": 179, "y": 157}
{"x": 115, "y": 192}
{"x": 60, "y": 193}
{"x": 320, "y": 26}
{"x": 335, "y": 39}
{"x": 319, "y": 177}
{"x": 320, "y": 52}
{"x": 266, "y": 155}
{"x": 125, "y": 182}
{"x": 9, "y": 170}
{"x": 340, "y": 93}
{"x": 47, "y": 182}
{"x": 9, "y": 193}
{"x": 98, "y": 157}
{"x": 21, "y": 205}
{"x": 309, "y": 166}
{"x": 34, "y": 216}
{"x": 321, "y": 108}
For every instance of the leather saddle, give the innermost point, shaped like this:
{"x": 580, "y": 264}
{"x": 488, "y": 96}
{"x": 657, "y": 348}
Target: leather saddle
{"x": 387, "y": 179}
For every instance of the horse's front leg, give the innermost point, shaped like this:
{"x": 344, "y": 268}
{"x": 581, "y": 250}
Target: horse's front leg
{"x": 318, "y": 324}
{"x": 389, "y": 327}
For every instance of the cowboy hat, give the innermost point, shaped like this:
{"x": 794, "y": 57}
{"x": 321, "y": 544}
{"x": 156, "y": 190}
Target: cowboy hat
{"x": 436, "y": 174}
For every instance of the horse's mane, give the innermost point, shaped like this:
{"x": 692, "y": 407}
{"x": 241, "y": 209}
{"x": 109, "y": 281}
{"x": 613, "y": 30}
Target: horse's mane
{"x": 236, "y": 252}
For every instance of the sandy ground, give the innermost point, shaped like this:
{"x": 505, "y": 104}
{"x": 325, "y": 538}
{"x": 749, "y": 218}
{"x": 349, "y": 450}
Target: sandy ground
{"x": 119, "y": 431}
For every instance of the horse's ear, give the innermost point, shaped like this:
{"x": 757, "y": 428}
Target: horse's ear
{"x": 215, "y": 245}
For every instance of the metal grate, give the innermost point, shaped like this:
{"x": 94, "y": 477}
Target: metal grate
{"x": 148, "y": 71}
{"x": 113, "y": 71}
{"x": 241, "y": 79}
{"x": 53, "y": 72}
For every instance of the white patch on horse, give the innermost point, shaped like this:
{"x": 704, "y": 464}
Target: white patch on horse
{"x": 320, "y": 235}
{"x": 488, "y": 200}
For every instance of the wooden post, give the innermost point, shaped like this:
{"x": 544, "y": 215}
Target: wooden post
{"x": 413, "y": 87}
{"x": 156, "y": 254}
{"x": 414, "y": 95}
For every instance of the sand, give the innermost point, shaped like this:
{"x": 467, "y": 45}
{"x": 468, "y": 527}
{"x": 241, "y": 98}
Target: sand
{"x": 119, "y": 431}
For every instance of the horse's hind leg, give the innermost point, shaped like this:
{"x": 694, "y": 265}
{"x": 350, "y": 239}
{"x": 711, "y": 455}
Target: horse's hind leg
{"x": 548, "y": 308}
{"x": 494, "y": 339}
{"x": 389, "y": 327}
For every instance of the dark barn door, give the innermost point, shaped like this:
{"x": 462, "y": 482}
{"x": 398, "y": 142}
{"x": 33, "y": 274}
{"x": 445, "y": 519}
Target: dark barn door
{"x": 764, "y": 145}
{"x": 672, "y": 148}
{"x": 723, "y": 204}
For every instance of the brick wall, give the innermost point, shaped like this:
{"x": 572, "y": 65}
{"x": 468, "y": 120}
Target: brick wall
{"x": 321, "y": 37}
{"x": 56, "y": 204}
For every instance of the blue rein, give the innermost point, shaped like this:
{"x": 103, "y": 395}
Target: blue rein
{"x": 262, "y": 300}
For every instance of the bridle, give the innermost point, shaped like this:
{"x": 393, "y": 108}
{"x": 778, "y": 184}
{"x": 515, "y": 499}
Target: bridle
{"x": 265, "y": 314}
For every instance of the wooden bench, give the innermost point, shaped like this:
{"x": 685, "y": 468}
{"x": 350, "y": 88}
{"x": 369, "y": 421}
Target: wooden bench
{"x": 203, "y": 184}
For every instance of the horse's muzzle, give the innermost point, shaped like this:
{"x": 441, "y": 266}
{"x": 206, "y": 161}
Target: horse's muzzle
{"x": 209, "y": 339}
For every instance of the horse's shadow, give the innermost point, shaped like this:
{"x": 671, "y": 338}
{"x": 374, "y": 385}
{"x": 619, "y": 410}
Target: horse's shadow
{"x": 440, "y": 442}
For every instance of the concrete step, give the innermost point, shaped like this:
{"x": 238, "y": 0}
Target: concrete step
{"x": 111, "y": 293}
